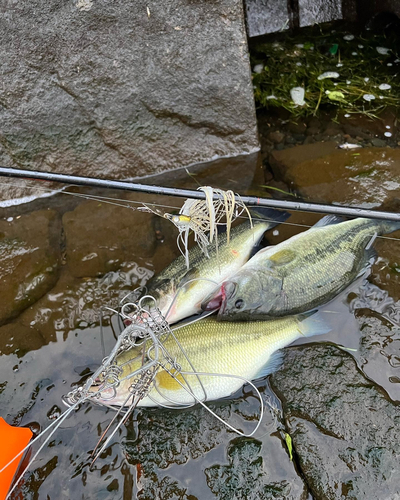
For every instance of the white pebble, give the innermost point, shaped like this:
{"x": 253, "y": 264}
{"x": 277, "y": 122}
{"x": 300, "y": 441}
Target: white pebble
{"x": 258, "y": 68}
{"x": 388, "y": 134}
{"x": 354, "y": 54}
{"x": 387, "y": 126}
{"x": 366, "y": 79}
{"x": 275, "y": 232}
{"x": 368, "y": 97}
{"x": 297, "y": 95}
{"x": 348, "y": 38}
{"x": 384, "y": 86}
{"x": 347, "y": 115}
{"x": 328, "y": 74}
{"x": 298, "y": 64}
{"x": 10, "y": 219}
{"x": 389, "y": 64}
{"x": 360, "y": 46}
{"x": 382, "y": 50}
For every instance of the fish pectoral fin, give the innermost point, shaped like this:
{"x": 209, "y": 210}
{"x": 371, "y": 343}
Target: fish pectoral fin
{"x": 188, "y": 279}
{"x": 273, "y": 364}
{"x": 283, "y": 257}
{"x": 370, "y": 256}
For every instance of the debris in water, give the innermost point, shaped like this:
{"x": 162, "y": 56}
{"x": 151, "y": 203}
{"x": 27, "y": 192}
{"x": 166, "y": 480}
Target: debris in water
{"x": 383, "y": 51}
{"x": 348, "y": 145}
{"x": 297, "y": 95}
{"x": 384, "y": 86}
{"x": 348, "y": 38}
{"x": 368, "y": 97}
{"x": 328, "y": 74}
{"x": 258, "y": 68}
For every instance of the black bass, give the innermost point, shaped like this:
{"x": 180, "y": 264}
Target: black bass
{"x": 302, "y": 272}
{"x": 246, "y": 350}
{"x": 179, "y": 291}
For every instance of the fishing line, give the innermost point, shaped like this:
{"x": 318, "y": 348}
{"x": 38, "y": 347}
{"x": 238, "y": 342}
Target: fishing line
{"x": 127, "y": 202}
{"x": 206, "y": 374}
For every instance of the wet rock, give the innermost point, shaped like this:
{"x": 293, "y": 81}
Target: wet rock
{"x": 19, "y": 339}
{"x": 367, "y": 177}
{"x": 72, "y": 304}
{"x": 290, "y": 140}
{"x": 100, "y": 237}
{"x": 379, "y": 353}
{"x": 386, "y": 269}
{"x": 195, "y": 435}
{"x": 29, "y": 260}
{"x": 296, "y": 127}
{"x": 369, "y": 126}
{"x": 245, "y": 476}
{"x": 276, "y": 136}
{"x": 284, "y": 161}
{"x": 124, "y": 90}
{"x": 344, "y": 429}
{"x": 265, "y": 16}
{"x": 379, "y": 143}
{"x": 19, "y": 191}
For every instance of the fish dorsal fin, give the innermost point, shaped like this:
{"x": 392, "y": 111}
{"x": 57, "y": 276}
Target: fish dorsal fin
{"x": 274, "y": 362}
{"x": 272, "y": 215}
{"x": 329, "y": 220}
{"x": 282, "y": 257}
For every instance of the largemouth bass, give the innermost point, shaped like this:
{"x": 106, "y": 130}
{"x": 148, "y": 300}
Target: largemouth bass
{"x": 302, "y": 272}
{"x": 205, "y": 273}
{"x": 247, "y": 350}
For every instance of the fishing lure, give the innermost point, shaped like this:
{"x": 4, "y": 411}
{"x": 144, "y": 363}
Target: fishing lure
{"x": 203, "y": 217}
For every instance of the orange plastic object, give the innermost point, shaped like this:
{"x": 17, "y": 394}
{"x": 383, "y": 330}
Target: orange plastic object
{"x": 12, "y": 441}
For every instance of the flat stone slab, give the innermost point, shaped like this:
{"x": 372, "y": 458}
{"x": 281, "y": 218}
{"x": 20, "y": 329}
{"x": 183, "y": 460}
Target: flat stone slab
{"x": 124, "y": 90}
{"x": 345, "y": 431}
{"x": 29, "y": 260}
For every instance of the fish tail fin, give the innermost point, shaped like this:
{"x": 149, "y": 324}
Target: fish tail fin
{"x": 271, "y": 215}
{"x": 312, "y": 323}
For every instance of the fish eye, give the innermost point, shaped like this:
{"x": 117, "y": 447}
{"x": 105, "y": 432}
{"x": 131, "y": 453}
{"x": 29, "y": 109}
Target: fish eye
{"x": 239, "y": 304}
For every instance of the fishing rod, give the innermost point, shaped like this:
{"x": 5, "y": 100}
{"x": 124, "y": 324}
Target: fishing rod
{"x": 200, "y": 195}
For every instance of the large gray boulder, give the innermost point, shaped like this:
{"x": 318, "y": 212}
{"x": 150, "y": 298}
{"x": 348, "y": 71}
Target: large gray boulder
{"x": 123, "y": 89}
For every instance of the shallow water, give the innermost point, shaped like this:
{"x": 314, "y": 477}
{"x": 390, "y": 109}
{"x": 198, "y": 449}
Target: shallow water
{"x": 183, "y": 454}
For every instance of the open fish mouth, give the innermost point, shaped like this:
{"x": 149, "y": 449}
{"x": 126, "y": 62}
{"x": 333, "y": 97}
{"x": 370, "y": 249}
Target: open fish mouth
{"x": 219, "y": 299}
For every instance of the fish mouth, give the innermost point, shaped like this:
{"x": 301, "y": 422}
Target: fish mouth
{"x": 219, "y": 299}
